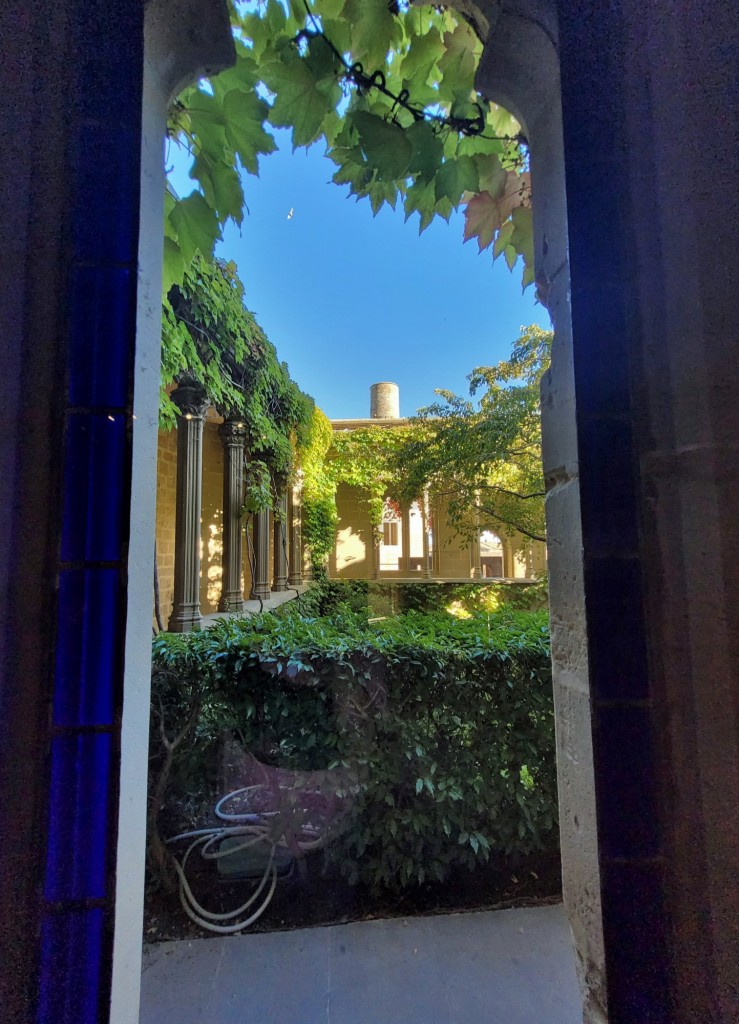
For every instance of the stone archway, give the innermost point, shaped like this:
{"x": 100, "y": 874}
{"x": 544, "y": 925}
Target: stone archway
{"x": 652, "y": 363}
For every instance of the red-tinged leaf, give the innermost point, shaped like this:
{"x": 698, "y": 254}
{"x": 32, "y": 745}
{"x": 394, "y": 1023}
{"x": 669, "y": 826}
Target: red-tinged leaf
{"x": 480, "y": 219}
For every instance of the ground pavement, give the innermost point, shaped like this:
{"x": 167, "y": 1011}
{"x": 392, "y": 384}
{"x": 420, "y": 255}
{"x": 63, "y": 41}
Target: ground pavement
{"x": 497, "y": 967}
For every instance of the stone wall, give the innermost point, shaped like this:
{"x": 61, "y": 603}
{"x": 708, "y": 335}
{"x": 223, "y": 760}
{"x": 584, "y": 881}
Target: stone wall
{"x": 211, "y": 523}
{"x": 352, "y": 555}
{"x": 165, "y": 517}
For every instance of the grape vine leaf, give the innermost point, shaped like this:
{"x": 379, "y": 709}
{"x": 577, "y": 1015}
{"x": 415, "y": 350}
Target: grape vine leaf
{"x": 173, "y": 265}
{"x": 421, "y": 198}
{"x": 428, "y": 150}
{"x": 480, "y": 217}
{"x": 458, "y": 62}
{"x": 423, "y": 53}
{"x": 221, "y": 186}
{"x": 302, "y": 101}
{"x": 196, "y": 225}
{"x": 385, "y": 145}
{"x": 245, "y": 114}
{"x": 455, "y": 177}
{"x": 375, "y": 31}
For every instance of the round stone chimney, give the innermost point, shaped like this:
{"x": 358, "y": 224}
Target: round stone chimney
{"x": 384, "y": 401}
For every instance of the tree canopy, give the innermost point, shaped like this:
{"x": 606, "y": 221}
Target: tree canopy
{"x": 387, "y": 88}
{"x": 483, "y": 457}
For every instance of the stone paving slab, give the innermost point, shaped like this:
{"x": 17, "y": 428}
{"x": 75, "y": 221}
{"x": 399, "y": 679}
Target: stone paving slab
{"x": 501, "y": 967}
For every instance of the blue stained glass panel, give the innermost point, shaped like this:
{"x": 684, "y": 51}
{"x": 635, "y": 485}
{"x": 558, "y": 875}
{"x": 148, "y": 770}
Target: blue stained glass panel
{"x": 93, "y": 481}
{"x": 101, "y": 309}
{"x": 78, "y": 817}
{"x": 88, "y": 631}
{"x": 69, "y": 985}
{"x": 105, "y": 223}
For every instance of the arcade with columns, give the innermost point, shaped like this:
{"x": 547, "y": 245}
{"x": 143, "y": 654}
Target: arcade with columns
{"x": 208, "y": 560}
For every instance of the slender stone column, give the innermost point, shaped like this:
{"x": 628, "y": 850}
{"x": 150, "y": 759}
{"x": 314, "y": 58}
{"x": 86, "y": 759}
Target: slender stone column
{"x": 191, "y": 399}
{"x": 405, "y": 541}
{"x": 279, "y": 583}
{"x": 260, "y": 583}
{"x": 294, "y": 516}
{"x": 233, "y": 434}
{"x": 475, "y": 558}
{"x": 427, "y": 567}
{"x": 475, "y": 553}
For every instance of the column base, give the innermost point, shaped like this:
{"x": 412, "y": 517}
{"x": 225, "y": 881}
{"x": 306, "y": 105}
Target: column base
{"x": 231, "y": 603}
{"x": 262, "y": 590}
{"x": 185, "y": 619}
{"x": 296, "y": 580}
{"x": 279, "y": 586}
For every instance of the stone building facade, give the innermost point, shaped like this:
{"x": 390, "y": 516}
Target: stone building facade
{"x": 416, "y": 540}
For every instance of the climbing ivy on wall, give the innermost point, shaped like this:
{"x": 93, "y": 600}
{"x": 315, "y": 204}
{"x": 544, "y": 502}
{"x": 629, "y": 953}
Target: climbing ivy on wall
{"x": 319, "y": 517}
{"x": 208, "y": 332}
{"x": 370, "y": 459}
{"x": 388, "y": 89}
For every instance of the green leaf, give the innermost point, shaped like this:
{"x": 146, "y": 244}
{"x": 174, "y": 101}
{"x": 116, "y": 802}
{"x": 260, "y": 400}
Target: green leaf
{"x": 423, "y": 53}
{"x": 386, "y": 146}
{"x": 503, "y": 239}
{"x": 421, "y": 198}
{"x": 245, "y": 116}
{"x": 458, "y": 63}
{"x": 300, "y": 103}
{"x": 374, "y": 31}
{"x": 381, "y": 192}
{"x": 427, "y": 150}
{"x": 491, "y": 174}
{"x": 207, "y": 121}
{"x": 456, "y": 177}
{"x": 221, "y": 186}
{"x": 196, "y": 225}
{"x": 523, "y": 233}
{"x": 243, "y": 76}
{"x": 173, "y": 267}
{"x": 356, "y": 175}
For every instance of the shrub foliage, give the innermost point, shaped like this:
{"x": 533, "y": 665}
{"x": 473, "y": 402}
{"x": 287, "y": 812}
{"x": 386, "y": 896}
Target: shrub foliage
{"x": 444, "y": 724}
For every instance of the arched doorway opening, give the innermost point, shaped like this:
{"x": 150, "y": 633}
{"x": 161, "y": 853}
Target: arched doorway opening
{"x": 624, "y": 129}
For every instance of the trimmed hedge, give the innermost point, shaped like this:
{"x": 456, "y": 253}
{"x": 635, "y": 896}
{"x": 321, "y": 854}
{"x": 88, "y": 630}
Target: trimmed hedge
{"x": 445, "y": 723}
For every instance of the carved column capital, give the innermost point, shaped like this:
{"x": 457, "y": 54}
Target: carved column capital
{"x": 190, "y": 396}
{"x": 233, "y": 432}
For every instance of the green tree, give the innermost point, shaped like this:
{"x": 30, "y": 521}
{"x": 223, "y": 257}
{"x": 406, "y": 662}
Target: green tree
{"x": 387, "y": 88}
{"x": 483, "y": 457}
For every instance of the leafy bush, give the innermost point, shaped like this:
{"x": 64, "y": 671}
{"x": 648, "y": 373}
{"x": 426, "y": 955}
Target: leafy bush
{"x": 386, "y": 597}
{"x": 446, "y": 724}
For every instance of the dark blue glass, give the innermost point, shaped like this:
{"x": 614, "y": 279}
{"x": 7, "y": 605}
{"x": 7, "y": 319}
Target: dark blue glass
{"x": 78, "y": 817}
{"x": 101, "y": 308}
{"x": 106, "y": 205}
{"x": 94, "y": 474}
{"x": 69, "y": 983}
{"x": 87, "y": 646}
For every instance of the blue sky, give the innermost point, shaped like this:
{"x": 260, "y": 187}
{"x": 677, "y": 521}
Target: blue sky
{"x": 349, "y": 299}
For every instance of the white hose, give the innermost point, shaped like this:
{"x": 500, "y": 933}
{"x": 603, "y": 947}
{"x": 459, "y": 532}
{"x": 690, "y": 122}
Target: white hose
{"x": 256, "y": 830}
